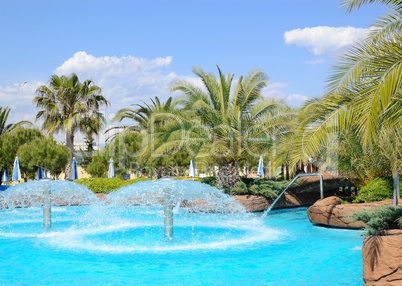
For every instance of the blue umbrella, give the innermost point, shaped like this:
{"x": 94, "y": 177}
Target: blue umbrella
{"x": 74, "y": 171}
{"x": 16, "y": 171}
{"x": 39, "y": 174}
{"x": 260, "y": 171}
{"x": 192, "y": 169}
{"x": 111, "y": 173}
{"x": 5, "y": 177}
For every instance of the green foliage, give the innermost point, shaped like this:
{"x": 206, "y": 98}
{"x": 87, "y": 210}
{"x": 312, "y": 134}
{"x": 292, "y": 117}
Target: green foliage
{"x": 4, "y": 127}
{"x": 10, "y": 142}
{"x": 260, "y": 187}
{"x": 105, "y": 185}
{"x": 267, "y": 188}
{"x": 45, "y": 153}
{"x": 68, "y": 104}
{"x": 98, "y": 166}
{"x": 377, "y": 190}
{"x": 383, "y": 217}
{"x": 239, "y": 189}
{"x": 208, "y": 180}
{"x": 123, "y": 148}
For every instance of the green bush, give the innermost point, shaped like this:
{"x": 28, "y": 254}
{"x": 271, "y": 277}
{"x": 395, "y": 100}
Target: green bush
{"x": 104, "y": 185}
{"x": 383, "y": 217}
{"x": 377, "y": 190}
{"x": 240, "y": 188}
{"x": 260, "y": 187}
{"x": 208, "y": 180}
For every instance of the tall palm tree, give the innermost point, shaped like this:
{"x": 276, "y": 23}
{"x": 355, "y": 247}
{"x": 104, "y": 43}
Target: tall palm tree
{"x": 224, "y": 121}
{"x": 68, "y": 105}
{"x": 142, "y": 115}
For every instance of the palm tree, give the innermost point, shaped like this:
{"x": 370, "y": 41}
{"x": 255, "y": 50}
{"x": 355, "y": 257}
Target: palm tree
{"x": 143, "y": 114}
{"x": 68, "y": 105}
{"x": 388, "y": 24}
{"x": 147, "y": 119}
{"x": 4, "y": 127}
{"x": 363, "y": 93}
{"x": 224, "y": 122}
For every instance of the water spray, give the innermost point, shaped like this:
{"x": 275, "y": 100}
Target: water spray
{"x": 47, "y": 205}
{"x": 168, "y": 209}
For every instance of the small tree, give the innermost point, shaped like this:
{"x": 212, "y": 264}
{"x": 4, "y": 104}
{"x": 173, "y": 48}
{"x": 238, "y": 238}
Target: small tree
{"x": 123, "y": 148}
{"x": 98, "y": 166}
{"x": 11, "y": 142}
{"x": 45, "y": 153}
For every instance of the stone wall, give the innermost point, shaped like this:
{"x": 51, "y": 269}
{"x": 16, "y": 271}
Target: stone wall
{"x": 382, "y": 258}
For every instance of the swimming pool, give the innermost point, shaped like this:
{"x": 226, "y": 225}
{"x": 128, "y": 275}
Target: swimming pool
{"x": 105, "y": 245}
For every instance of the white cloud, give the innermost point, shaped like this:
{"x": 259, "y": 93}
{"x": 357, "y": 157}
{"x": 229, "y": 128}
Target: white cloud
{"x": 124, "y": 80}
{"x": 316, "y": 61}
{"x": 275, "y": 89}
{"x": 323, "y": 39}
{"x": 278, "y": 90}
{"x": 296, "y": 98}
{"x": 20, "y": 99}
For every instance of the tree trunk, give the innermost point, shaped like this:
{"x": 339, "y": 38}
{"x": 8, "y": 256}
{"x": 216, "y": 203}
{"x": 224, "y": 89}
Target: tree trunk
{"x": 158, "y": 173}
{"x": 396, "y": 194}
{"x": 246, "y": 171}
{"x": 227, "y": 176}
{"x": 70, "y": 146}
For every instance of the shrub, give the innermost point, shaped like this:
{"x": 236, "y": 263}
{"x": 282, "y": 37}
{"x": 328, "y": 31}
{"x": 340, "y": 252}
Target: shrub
{"x": 208, "y": 180}
{"x": 240, "y": 188}
{"x": 104, "y": 185}
{"x": 260, "y": 187}
{"x": 377, "y": 190}
{"x": 383, "y": 217}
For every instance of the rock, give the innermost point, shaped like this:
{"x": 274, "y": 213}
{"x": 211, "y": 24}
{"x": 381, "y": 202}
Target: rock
{"x": 330, "y": 212}
{"x": 253, "y": 203}
{"x": 101, "y": 196}
{"x": 330, "y": 201}
{"x": 382, "y": 258}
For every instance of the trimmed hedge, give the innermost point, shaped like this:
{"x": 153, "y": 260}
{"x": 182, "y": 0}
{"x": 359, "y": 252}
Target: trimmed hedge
{"x": 377, "y": 190}
{"x": 105, "y": 185}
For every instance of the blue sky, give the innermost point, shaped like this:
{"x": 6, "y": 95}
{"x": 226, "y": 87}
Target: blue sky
{"x": 133, "y": 49}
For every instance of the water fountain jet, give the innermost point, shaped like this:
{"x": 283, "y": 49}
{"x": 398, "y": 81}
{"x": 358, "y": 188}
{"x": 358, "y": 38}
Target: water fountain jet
{"x": 47, "y": 204}
{"x": 47, "y": 209}
{"x": 168, "y": 210}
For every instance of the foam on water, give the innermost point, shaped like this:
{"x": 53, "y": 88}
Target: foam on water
{"x": 192, "y": 196}
{"x": 30, "y": 194}
{"x": 131, "y": 219}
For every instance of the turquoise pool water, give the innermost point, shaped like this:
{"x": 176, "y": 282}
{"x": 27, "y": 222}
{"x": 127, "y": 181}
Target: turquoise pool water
{"x": 105, "y": 245}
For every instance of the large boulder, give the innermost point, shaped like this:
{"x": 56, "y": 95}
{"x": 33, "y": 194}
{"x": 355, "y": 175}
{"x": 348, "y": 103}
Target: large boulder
{"x": 382, "y": 258}
{"x": 330, "y": 212}
{"x": 253, "y": 203}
